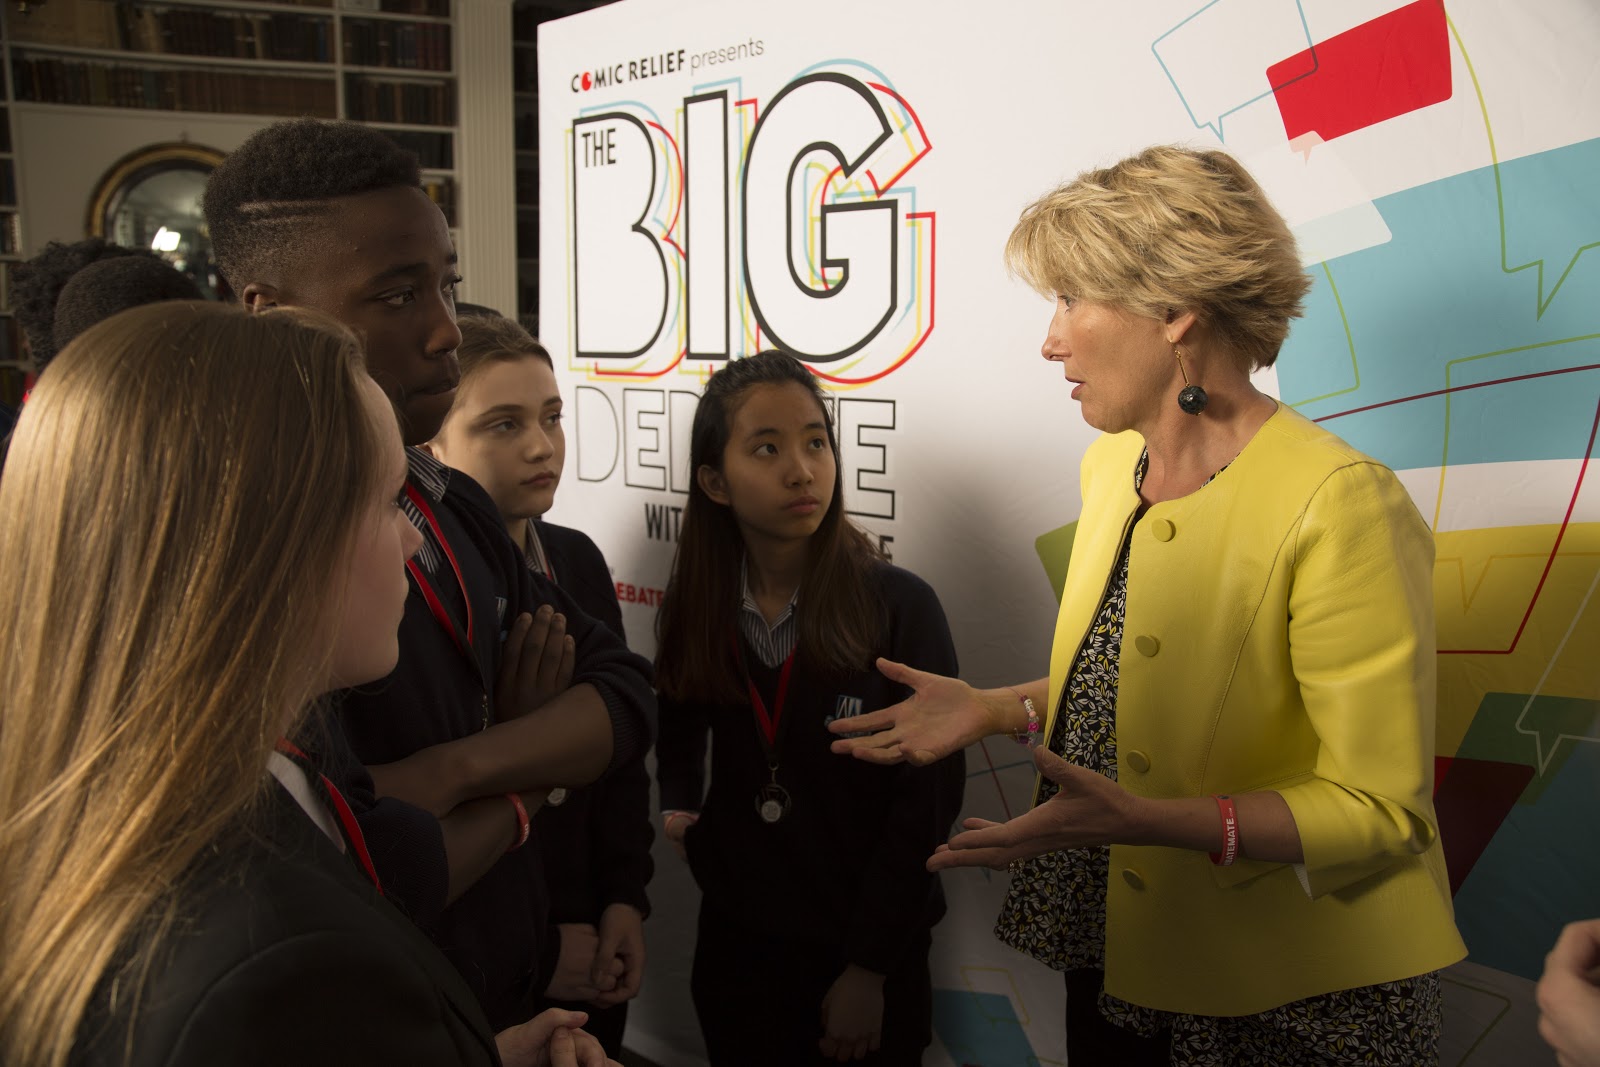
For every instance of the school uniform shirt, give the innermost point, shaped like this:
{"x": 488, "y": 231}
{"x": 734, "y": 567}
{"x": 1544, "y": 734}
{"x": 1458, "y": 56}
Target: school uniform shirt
{"x": 497, "y": 932}
{"x": 845, "y": 865}
{"x": 602, "y": 833}
{"x": 286, "y": 954}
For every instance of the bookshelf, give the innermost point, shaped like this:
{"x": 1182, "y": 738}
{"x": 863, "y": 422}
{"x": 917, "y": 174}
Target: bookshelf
{"x": 15, "y": 371}
{"x": 525, "y": 19}
{"x": 388, "y": 63}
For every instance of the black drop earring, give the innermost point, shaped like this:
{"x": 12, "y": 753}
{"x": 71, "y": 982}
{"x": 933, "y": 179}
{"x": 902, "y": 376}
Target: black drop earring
{"x": 1191, "y": 398}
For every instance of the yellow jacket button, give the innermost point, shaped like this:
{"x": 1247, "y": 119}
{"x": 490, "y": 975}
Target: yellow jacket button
{"x": 1133, "y": 878}
{"x": 1163, "y": 529}
{"x": 1147, "y": 645}
{"x": 1136, "y": 761}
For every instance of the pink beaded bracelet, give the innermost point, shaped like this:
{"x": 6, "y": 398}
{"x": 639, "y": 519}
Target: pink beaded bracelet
{"x": 1030, "y": 736}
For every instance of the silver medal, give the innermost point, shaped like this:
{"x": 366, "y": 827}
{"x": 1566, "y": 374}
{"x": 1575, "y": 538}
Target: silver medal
{"x": 772, "y": 803}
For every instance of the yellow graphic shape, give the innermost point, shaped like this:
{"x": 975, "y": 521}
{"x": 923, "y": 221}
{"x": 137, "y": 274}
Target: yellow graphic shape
{"x": 1055, "y": 549}
{"x": 1484, "y": 581}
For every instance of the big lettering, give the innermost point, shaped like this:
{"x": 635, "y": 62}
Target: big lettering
{"x": 750, "y": 224}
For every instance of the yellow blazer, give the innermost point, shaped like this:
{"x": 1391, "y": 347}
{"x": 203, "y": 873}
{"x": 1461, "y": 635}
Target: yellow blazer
{"x": 1279, "y": 635}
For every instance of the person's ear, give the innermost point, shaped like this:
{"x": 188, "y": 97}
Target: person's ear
{"x": 259, "y": 296}
{"x": 1179, "y": 322}
{"x": 712, "y": 484}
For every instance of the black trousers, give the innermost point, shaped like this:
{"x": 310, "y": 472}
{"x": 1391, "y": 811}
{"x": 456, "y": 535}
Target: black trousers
{"x": 759, "y": 998}
{"x": 1093, "y": 1039}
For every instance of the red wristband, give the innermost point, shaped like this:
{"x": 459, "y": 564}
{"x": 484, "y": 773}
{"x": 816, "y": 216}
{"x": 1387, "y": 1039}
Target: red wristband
{"x": 523, "y": 826}
{"x": 1230, "y": 831}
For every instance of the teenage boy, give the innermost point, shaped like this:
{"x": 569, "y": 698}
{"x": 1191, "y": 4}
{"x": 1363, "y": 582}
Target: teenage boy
{"x": 332, "y": 216}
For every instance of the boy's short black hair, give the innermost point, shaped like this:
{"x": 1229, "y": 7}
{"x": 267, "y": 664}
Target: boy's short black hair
{"x": 37, "y": 284}
{"x": 260, "y": 201}
{"x": 102, "y": 289}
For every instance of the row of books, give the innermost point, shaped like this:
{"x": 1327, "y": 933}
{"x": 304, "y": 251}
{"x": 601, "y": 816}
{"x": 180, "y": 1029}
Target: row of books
{"x": 234, "y": 92}
{"x": 438, "y": 9}
{"x": 434, "y": 151}
{"x": 10, "y": 234}
{"x": 413, "y": 103}
{"x": 128, "y": 26}
{"x": 6, "y": 267}
{"x": 407, "y": 45}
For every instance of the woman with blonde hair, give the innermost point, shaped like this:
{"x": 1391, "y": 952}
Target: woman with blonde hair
{"x": 200, "y": 534}
{"x": 1234, "y": 857}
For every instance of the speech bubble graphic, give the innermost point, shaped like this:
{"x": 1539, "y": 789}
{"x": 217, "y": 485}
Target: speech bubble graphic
{"x": 1546, "y": 212}
{"x": 1202, "y": 58}
{"x": 1394, "y": 64}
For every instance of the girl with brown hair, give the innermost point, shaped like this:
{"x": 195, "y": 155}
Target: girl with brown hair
{"x": 201, "y": 535}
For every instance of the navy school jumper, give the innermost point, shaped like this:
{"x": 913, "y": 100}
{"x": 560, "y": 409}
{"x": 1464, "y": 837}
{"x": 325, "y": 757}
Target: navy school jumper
{"x": 497, "y": 933}
{"x": 284, "y": 954}
{"x": 602, "y": 832}
{"x": 844, "y": 870}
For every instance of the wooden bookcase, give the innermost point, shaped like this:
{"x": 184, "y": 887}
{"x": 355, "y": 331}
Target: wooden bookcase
{"x": 388, "y": 63}
{"x": 14, "y": 370}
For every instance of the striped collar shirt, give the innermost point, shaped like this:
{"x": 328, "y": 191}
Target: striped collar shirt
{"x": 533, "y": 552}
{"x": 773, "y": 642}
{"x": 432, "y": 478}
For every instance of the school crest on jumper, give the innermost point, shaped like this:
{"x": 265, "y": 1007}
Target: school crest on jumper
{"x": 846, "y": 707}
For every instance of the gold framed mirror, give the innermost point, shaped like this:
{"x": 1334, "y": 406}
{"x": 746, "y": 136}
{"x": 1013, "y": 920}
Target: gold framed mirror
{"x": 150, "y": 198}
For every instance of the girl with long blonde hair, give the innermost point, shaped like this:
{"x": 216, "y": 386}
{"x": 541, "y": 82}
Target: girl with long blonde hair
{"x": 199, "y": 534}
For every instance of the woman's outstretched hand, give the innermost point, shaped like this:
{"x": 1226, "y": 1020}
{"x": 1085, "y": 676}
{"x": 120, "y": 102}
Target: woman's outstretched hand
{"x": 942, "y": 715}
{"x": 1089, "y": 809}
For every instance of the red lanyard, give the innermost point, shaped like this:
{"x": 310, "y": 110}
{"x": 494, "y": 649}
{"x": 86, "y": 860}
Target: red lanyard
{"x": 768, "y": 724}
{"x": 347, "y": 818}
{"x": 434, "y": 604}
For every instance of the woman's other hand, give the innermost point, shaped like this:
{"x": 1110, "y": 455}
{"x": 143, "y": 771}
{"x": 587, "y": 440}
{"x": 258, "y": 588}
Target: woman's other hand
{"x": 941, "y": 716}
{"x": 1569, "y": 996}
{"x": 1088, "y": 809}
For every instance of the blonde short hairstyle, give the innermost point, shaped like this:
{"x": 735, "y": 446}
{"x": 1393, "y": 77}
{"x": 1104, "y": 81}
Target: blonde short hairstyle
{"x": 183, "y": 492}
{"x": 1169, "y": 228}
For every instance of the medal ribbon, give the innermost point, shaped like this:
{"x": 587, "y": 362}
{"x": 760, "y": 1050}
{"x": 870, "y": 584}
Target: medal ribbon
{"x": 347, "y": 818}
{"x": 434, "y": 603}
{"x": 765, "y": 723}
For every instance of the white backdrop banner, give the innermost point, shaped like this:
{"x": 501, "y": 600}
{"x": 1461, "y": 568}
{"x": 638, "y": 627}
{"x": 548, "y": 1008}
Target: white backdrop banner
{"x": 724, "y": 176}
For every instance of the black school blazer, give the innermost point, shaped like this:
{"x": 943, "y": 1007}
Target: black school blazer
{"x": 287, "y": 955}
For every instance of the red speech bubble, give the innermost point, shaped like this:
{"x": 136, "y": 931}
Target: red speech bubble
{"x": 1397, "y": 63}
